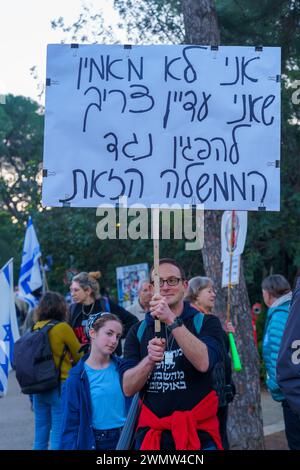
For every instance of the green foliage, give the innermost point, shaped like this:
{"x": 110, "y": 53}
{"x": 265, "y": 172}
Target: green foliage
{"x": 21, "y": 141}
{"x": 89, "y": 27}
{"x": 10, "y": 242}
{"x": 152, "y": 21}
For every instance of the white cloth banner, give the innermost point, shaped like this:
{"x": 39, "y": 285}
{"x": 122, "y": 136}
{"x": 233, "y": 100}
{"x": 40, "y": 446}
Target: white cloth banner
{"x": 239, "y": 228}
{"x": 9, "y": 331}
{"x": 162, "y": 124}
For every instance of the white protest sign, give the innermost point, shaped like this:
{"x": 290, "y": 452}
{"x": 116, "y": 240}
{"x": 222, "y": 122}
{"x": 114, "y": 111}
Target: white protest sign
{"x": 162, "y": 124}
{"x": 239, "y": 228}
{"x": 235, "y": 271}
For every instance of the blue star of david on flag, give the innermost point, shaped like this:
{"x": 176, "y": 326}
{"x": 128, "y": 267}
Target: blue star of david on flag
{"x": 9, "y": 332}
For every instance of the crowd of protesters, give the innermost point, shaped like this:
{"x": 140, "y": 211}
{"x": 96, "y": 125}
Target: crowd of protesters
{"x": 173, "y": 372}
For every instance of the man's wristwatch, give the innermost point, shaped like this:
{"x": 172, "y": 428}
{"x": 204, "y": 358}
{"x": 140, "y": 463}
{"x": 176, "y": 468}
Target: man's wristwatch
{"x": 176, "y": 323}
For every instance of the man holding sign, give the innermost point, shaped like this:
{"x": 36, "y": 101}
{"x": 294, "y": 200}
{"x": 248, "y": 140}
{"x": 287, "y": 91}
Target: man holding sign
{"x": 179, "y": 410}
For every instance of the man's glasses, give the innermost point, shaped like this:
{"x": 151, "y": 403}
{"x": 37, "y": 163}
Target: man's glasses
{"x": 171, "y": 281}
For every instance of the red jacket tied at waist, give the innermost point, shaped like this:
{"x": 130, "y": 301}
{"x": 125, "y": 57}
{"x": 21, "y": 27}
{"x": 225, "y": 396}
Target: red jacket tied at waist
{"x": 183, "y": 425}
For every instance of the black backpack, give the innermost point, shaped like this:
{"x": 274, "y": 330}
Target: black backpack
{"x": 33, "y": 361}
{"x": 225, "y": 391}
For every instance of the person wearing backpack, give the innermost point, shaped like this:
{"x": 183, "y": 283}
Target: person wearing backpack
{"x": 277, "y": 296}
{"x": 173, "y": 371}
{"x": 85, "y": 291}
{"x": 64, "y": 346}
{"x": 94, "y": 406}
{"x": 201, "y": 295}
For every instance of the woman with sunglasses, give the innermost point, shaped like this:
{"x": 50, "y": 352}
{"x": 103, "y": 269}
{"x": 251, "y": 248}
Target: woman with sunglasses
{"x": 94, "y": 405}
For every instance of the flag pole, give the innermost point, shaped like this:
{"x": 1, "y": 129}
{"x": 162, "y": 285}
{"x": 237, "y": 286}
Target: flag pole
{"x": 45, "y": 287}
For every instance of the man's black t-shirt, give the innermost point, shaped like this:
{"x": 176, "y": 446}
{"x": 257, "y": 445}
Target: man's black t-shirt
{"x": 175, "y": 384}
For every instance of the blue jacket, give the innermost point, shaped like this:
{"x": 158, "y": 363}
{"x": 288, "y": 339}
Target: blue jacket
{"x": 77, "y": 429}
{"x": 288, "y": 365}
{"x": 275, "y": 324}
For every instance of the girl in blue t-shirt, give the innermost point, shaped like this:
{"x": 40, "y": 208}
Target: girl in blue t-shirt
{"x": 94, "y": 404}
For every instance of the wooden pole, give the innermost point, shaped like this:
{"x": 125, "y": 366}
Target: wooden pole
{"x": 155, "y": 236}
{"x": 237, "y": 366}
{"x": 230, "y": 268}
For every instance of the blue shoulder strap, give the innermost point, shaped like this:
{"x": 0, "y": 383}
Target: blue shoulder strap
{"x": 141, "y": 330}
{"x": 198, "y": 320}
{"x": 104, "y": 302}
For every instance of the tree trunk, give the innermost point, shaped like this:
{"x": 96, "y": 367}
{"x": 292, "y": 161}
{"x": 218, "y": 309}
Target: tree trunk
{"x": 245, "y": 427}
{"x": 200, "y": 22}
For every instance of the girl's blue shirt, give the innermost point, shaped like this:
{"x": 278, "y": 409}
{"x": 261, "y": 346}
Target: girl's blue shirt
{"x": 107, "y": 399}
{"x": 77, "y": 426}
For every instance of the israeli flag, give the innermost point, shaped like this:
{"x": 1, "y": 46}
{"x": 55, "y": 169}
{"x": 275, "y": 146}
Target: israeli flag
{"x": 9, "y": 331}
{"x": 30, "y": 274}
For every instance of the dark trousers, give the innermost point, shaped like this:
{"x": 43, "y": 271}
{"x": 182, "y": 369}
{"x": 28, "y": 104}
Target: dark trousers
{"x": 292, "y": 426}
{"x": 107, "y": 439}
